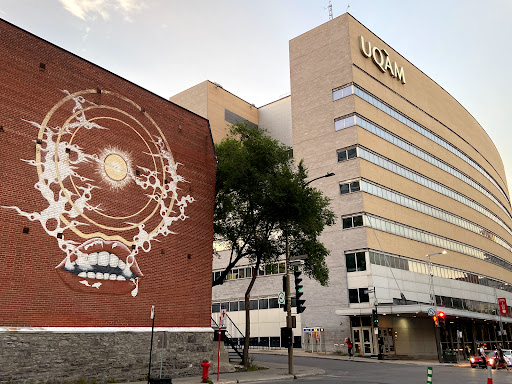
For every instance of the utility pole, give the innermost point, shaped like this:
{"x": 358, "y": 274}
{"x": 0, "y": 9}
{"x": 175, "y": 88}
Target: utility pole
{"x": 289, "y": 307}
{"x": 433, "y": 302}
{"x": 288, "y": 298}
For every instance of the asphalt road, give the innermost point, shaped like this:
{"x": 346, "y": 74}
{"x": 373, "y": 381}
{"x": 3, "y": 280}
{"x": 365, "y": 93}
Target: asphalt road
{"x": 340, "y": 371}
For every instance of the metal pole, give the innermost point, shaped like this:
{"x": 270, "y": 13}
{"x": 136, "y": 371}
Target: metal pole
{"x": 499, "y": 313}
{"x": 433, "y": 302}
{"x": 289, "y": 307}
{"x": 151, "y": 347}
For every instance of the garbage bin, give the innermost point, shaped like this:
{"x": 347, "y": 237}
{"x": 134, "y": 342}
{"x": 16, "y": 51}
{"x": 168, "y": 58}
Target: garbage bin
{"x": 449, "y": 357}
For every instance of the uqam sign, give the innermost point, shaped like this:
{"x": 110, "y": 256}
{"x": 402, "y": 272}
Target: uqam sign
{"x": 380, "y": 57}
{"x": 110, "y": 188}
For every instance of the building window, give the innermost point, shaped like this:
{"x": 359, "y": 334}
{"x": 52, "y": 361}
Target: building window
{"x": 352, "y": 296}
{"x": 233, "y": 306}
{"x": 263, "y": 303}
{"x": 359, "y": 295}
{"x": 354, "y": 221}
{"x": 355, "y": 261}
{"x": 344, "y": 122}
{"x": 353, "y": 186}
{"x": 215, "y": 307}
{"x": 346, "y": 154}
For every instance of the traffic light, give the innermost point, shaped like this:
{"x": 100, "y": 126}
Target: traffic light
{"x": 436, "y": 321}
{"x": 286, "y": 337}
{"x": 375, "y": 318}
{"x": 298, "y": 292}
{"x": 442, "y": 318}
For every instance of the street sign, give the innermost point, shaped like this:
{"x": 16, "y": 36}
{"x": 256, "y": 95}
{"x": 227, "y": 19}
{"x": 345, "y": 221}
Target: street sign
{"x": 431, "y": 312}
{"x": 281, "y": 298}
{"x": 502, "y": 302}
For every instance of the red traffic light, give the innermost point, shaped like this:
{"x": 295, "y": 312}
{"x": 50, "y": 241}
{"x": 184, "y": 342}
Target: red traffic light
{"x": 441, "y": 314}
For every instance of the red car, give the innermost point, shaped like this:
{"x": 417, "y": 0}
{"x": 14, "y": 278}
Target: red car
{"x": 476, "y": 361}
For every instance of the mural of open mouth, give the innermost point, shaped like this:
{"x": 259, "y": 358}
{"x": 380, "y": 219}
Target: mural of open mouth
{"x": 102, "y": 266}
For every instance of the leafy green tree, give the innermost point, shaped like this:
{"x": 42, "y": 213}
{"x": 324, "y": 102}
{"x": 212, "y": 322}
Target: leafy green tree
{"x": 262, "y": 203}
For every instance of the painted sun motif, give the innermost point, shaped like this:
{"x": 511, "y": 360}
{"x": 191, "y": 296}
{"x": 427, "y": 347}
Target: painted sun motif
{"x": 109, "y": 202}
{"x": 115, "y": 167}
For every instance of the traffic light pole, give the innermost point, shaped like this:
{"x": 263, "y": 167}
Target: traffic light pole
{"x": 289, "y": 308}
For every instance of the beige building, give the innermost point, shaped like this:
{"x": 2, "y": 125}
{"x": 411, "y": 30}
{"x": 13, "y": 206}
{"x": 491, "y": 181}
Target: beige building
{"x": 420, "y": 193}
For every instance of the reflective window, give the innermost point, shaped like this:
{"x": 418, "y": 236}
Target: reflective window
{"x": 383, "y": 133}
{"x": 436, "y": 240}
{"x": 431, "y": 184}
{"x": 417, "y": 127}
{"x": 353, "y": 296}
{"x": 353, "y": 186}
{"x": 346, "y": 153}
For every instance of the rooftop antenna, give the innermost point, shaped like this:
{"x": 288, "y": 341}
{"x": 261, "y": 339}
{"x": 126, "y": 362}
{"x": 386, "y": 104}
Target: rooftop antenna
{"x": 330, "y": 10}
{"x": 348, "y": 6}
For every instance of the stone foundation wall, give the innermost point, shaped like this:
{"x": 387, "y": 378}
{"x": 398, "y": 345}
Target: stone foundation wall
{"x": 105, "y": 357}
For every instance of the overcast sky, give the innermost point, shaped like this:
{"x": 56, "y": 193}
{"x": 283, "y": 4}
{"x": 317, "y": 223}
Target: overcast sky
{"x": 167, "y": 46}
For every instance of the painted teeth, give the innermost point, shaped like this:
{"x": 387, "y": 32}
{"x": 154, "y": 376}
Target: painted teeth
{"x": 103, "y": 258}
{"x": 100, "y": 266}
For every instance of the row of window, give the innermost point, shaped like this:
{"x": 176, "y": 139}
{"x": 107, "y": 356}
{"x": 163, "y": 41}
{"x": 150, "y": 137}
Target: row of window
{"x": 417, "y": 205}
{"x": 416, "y": 266}
{"x": 399, "y": 169}
{"x": 432, "y": 239}
{"x": 386, "y": 108}
{"x": 266, "y": 303}
{"x": 246, "y": 272}
{"x": 416, "y": 151}
{"x": 353, "y": 186}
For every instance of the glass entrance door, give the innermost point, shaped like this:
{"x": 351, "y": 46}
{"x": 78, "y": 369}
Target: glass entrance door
{"x": 363, "y": 341}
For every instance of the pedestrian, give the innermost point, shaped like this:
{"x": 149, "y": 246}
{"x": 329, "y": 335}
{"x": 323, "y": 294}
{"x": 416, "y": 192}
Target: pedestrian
{"x": 349, "y": 347}
{"x": 500, "y": 357}
{"x": 481, "y": 352}
{"x": 467, "y": 352}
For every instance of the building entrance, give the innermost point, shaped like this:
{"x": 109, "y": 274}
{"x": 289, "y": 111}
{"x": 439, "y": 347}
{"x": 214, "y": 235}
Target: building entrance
{"x": 362, "y": 336}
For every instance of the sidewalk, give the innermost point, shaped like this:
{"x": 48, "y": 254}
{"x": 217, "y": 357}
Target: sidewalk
{"x": 278, "y": 371}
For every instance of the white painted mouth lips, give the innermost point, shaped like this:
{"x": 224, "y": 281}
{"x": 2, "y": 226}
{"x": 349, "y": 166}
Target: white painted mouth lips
{"x": 101, "y": 266}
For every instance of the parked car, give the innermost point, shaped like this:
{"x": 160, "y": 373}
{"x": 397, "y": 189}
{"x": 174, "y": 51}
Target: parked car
{"x": 477, "y": 361}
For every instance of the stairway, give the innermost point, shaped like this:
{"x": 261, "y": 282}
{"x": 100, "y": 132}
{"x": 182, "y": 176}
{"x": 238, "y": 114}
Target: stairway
{"x": 230, "y": 334}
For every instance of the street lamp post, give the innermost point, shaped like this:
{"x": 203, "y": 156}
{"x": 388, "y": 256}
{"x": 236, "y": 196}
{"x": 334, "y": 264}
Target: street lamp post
{"x": 433, "y": 302}
{"x": 288, "y": 299}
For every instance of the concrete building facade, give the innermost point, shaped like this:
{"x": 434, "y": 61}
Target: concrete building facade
{"x": 416, "y": 176}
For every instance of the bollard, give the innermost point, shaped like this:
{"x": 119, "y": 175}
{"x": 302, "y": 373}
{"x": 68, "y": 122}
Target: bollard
{"x": 429, "y": 375}
{"x": 489, "y": 373}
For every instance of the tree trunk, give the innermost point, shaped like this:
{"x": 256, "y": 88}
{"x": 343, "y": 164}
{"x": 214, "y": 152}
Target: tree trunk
{"x": 255, "y": 269}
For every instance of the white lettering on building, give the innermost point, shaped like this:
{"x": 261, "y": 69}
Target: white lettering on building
{"x": 381, "y": 59}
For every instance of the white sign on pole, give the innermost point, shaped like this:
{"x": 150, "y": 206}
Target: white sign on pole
{"x": 152, "y": 312}
{"x": 431, "y": 312}
{"x": 281, "y": 298}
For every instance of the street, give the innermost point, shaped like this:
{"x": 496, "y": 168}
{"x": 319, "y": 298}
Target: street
{"x": 375, "y": 372}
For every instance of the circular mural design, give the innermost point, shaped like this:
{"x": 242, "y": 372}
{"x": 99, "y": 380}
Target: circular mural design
{"x": 106, "y": 170}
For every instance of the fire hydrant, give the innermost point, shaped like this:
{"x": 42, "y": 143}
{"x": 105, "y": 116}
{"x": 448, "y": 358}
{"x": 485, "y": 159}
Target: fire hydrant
{"x": 206, "y": 365}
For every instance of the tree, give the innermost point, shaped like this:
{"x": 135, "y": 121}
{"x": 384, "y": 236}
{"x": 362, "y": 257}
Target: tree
{"x": 262, "y": 202}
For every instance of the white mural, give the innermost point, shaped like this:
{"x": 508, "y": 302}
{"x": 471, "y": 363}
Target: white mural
{"x": 80, "y": 173}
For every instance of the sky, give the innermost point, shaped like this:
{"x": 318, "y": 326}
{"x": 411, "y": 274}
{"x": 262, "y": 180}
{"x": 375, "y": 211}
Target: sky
{"x": 167, "y": 46}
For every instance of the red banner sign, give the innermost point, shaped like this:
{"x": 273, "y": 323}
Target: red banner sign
{"x": 502, "y": 302}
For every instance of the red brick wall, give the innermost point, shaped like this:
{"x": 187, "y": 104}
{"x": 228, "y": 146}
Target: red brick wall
{"x": 176, "y": 271}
